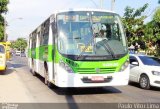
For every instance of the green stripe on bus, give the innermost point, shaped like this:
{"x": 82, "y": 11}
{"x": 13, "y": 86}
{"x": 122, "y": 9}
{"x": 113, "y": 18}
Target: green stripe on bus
{"x": 43, "y": 53}
{"x": 88, "y": 67}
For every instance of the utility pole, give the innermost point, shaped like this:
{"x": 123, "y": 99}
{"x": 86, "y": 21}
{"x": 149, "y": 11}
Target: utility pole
{"x": 112, "y": 5}
{"x": 101, "y": 4}
{"x": 5, "y": 25}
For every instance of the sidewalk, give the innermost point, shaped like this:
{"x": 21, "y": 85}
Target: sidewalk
{"x": 12, "y": 88}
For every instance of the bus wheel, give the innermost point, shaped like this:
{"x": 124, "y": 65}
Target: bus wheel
{"x": 46, "y": 76}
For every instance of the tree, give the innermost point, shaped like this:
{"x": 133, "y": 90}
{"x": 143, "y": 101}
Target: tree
{"x": 149, "y": 37}
{"x": 134, "y": 24}
{"x": 156, "y": 28}
{"x": 152, "y": 34}
{"x": 19, "y": 44}
{"x": 3, "y": 9}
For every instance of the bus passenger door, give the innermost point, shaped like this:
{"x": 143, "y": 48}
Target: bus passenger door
{"x": 37, "y": 52}
{"x": 54, "y": 35}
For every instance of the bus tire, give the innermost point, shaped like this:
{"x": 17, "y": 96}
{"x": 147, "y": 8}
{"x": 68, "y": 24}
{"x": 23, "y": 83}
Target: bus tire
{"x": 46, "y": 78}
{"x": 32, "y": 70}
{"x": 45, "y": 73}
{"x": 49, "y": 84}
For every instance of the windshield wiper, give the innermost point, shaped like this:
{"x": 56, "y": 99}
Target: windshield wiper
{"x": 106, "y": 46}
{"x": 102, "y": 43}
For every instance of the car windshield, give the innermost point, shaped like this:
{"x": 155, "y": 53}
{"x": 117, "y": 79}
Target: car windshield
{"x": 150, "y": 60}
{"x": 90, "y": 34}
{"x": 157, "y": 59}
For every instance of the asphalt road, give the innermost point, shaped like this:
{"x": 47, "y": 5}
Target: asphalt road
{"x": 18, "y": 85}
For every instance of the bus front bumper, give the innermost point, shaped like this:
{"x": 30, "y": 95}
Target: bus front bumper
{"x": 65, "y": 79}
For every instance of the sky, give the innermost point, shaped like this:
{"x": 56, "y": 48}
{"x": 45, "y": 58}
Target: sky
{"x": 25, "y": 15}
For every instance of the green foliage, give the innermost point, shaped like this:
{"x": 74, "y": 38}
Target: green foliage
{"x": 146, "y": 35}
{"x": 1, "y": 28}
{"x": 3, "y": 9}
{"x": 156, "y": 16}
{"x": 133, "y": 21}
{"x": 156, "y": 29}
{"x": 19, "y": 44}
{"x": 3, "y": 6}
{"x": 1, "y": 32}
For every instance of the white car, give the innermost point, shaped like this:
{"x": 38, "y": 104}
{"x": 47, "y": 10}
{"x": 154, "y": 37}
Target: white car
{"x": 145, "y": 70}
{"x": 18, "y": 53}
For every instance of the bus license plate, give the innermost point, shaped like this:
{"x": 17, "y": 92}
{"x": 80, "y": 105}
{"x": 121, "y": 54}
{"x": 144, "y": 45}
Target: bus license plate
{"x": 97, "y": 78}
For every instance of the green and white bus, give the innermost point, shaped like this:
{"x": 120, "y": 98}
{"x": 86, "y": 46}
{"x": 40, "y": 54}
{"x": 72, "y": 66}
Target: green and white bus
{"x": 80, "y": 48}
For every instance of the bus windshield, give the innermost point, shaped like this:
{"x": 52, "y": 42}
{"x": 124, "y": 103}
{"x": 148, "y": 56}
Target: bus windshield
{"x": 90, "y": 33}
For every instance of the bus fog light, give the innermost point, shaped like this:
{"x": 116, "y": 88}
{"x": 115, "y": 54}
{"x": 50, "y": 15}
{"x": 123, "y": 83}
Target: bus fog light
{"x": 66, "y": 67}
{"x": 69, "y": 69}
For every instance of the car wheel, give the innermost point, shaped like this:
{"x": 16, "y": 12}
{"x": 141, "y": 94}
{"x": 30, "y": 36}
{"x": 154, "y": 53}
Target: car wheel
{"x": 144, "y": 82}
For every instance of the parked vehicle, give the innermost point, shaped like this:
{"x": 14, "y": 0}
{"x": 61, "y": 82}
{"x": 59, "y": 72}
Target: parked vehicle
{"x": 7, "y": 49}
{"x": 18, "y": 53}
{"x": 2, "y": 57}
{"x": 23, "y": 54}
{"x": 145, "y": 70}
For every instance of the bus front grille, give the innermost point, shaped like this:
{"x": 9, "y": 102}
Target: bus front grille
{"x": 95, "y": 70}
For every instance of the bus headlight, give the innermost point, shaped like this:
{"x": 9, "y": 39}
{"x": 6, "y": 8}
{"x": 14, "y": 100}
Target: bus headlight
{"x": 124, "y": 66}
{"x": 66, "y": 67}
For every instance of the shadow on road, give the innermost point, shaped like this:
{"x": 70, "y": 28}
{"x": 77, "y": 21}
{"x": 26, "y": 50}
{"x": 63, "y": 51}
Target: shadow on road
{"x": 71, "y": 102}
{"x": 63, "y": 91}
{"x": 18, "y": 65}
{"x": 6, "y": 72}
{"x": 86, "y": 91}
{"x": 82, "y": 91}
{"x": 68, "y": 93}
{"x": 134, "y": 84}
{"x": 155, "y": 89}
{"x": 137, "y": 85}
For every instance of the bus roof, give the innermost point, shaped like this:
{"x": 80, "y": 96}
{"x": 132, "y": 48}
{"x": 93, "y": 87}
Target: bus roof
{"x": 84, "y": 9}
{"x": 68, "y": 10}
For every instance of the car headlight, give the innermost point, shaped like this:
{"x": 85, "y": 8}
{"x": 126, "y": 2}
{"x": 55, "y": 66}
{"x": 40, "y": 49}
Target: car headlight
{"x": 156, "y": 73}
{"x": 124, "y": 66}
{"x": 66, "y": 67}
